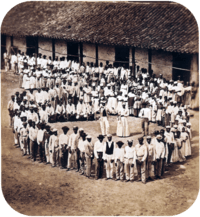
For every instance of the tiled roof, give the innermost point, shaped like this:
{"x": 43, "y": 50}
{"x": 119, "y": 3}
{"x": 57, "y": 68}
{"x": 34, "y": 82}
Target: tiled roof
{"x": 167, "y": 26}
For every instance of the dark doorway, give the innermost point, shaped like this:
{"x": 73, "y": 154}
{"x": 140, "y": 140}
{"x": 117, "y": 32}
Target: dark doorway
{"x": 32, "y": 45}
{"x": 3, "y": 49}
{"x": 122, "y": 55}
{"x": 72, "y": 50}
{"x": 182, "y": 61}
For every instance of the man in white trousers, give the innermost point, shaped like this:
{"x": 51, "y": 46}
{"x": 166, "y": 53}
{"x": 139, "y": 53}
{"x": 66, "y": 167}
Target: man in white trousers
{"x": 108, "y": 156}
{"x": 54, "y": 147}
{"x": 104, "y": 124}
{"x": 130, "y": 161}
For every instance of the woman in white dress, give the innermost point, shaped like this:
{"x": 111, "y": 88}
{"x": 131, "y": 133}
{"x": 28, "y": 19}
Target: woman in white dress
{"x": 175, "y": 155}
{"x": 186, "y": 143}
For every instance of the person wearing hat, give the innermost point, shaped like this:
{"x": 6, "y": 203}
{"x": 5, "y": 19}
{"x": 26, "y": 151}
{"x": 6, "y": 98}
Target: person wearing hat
{"x": 123, "y": 128}
{"x": 119, "y": 161}
{"x": 41, "y": 142}
{"x": 150, "y": 159}
{"x": 81, "y": 148}
{"x": 73, "y": 149}
{"x": 10, "y": 108}
{"x": 188, "y": 129}
{"x": 108, "y": 156}
{"x": 17, "y": 126}
{"x": 33, "y": 132}
{"x": 164, "y": 140}
{"x": 63, "y": 147}
{"x": 23, "y": 137}
{"x": 29, "y": 125}
{"x": 98, "y": 153}
{"x": 47, "y": 135}
{"x": 33, "y": 115}
{"x": 54, "y": 148}
{"x": 186, "y": 145}
{"x": 159, "y": 155}
{"x": 104, "y": 124}
{"x": 141, "y": 157}
{"x": 89, "y": 155}
{"x": 168, "y": 138}
{"x": 70, "y": 111}
{"x": 129, "y": 160}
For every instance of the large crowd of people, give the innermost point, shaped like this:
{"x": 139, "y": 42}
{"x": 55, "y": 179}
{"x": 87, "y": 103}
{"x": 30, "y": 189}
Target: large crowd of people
{"x": 65, "y": 91}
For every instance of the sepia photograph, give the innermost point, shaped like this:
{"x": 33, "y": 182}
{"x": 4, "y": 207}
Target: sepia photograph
{"x": 99, "y": 108}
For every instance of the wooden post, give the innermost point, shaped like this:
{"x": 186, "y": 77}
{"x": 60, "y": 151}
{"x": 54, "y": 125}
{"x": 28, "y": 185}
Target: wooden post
{"x": 149, "y": 60}
{"x": 133, "y": 61}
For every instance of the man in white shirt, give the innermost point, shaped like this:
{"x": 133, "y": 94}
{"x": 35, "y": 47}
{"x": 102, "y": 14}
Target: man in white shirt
{"x": 43, "y": 114}
{"x": 129, "y": 160}
{"x": 150, "y": 159}
{"x": 40, "y": 142}
{"x": 119, "y": 161}
{"x": 60, "y": 112}
{"x": 63, "y": 147}
{"x": 80, "y": 110}
{"x": 81, "y": 146}
{"x": 72, "y": 149}
{"x": 145, "y": 114}
{"x": 24, "y": 138}
{"x": 89, "y": 154}
{"x": 10, "y": 108}
{"x": 54, "y": 148}
{"x": 141, "y": 156}
{"x": 33, "y": 116}
{"x": 39, "y": 97}
{"x": 33, "y": 131}
{"x": 98, "y": 153}
{"x": 108, "y": 156}
{"x": 159, "y": 155}
{"x": 70, "y": 111}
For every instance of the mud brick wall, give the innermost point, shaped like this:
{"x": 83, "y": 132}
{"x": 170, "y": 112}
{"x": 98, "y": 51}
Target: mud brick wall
{"x": 19, "y": 42}
{"x": 162, "y": 63}
{"x": 45, "y": 47}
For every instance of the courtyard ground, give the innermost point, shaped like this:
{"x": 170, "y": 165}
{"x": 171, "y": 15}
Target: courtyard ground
{"x": 33, "y": 189}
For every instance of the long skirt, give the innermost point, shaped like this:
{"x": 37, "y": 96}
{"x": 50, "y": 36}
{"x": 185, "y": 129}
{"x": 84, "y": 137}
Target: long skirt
{"x": 175, "y": 155}
{"x": 119, "y": 128}
{"x": 125, "y": 127}
{"x": 187, "y": 148}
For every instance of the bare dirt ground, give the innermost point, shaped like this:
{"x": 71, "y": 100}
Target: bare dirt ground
{"x": 36, "y": 189}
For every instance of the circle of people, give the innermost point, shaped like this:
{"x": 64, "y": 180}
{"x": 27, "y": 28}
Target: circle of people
{"x": 61, "y": 91}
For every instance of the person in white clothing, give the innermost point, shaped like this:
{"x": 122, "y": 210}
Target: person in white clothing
{"x": 104, "y": 124}
{"x": 109, "y": 147}
{"x": 54, "y": 148}
{"x": 63, "y": 147}
{"x": 119, "y": 161}
{"x": 98, "y": 153}
{"x": 159, "y": 155}
{"x": 72, "y": 149}
{"x": 129, "y": 161}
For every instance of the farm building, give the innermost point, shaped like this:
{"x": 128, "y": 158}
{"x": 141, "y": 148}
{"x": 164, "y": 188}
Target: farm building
{"x": 162, "y": 37}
